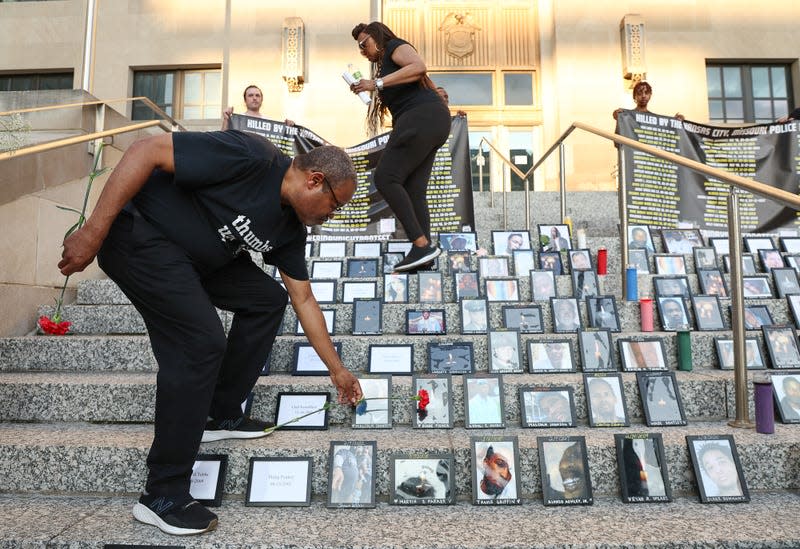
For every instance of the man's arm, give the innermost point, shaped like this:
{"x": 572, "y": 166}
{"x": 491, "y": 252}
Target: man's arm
{"x": 126, "y": 180}
{"x": 310, "y": 316}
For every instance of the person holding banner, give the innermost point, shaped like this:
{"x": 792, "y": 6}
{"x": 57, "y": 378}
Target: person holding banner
{"x": 253, "y": 98}
{"x": 642, "y": 92}
{"x": 421, "y": 124}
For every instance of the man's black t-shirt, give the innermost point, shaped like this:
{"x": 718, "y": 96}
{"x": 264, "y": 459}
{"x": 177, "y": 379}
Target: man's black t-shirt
{"x": 223, "y": 198}
{"x": 402, "y": 97}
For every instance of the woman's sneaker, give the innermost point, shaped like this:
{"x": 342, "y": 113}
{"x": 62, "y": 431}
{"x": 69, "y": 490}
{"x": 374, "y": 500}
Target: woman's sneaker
{"x": 175, "y": 516}
{"x": 242, "y": 427}
{"x": 417, "y": 256}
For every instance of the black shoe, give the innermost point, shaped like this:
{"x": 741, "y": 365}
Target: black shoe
{"x": 241, "y": 427}
{"x": 417, "y": 256}
{"x": 175, "y": 516}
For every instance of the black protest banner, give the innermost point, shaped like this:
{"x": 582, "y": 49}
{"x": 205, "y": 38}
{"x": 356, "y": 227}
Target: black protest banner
{"x": 661, "y": 194}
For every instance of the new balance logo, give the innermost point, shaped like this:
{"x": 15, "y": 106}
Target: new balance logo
{"x": 160, "y": 505}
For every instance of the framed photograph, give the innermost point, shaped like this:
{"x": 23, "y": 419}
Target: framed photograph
{"x": 351, "y": 474}
{"x": 671, "y": 286}
{"x": 681, "y": 241}
{"x": 642, "y": 354}
{"x": 292, "y": 411}
{"x": 711, "y": 282}
{"x": 580, "y": 260}
{"x": 748, "y": 264}
{"x": 781, "y": 342}
{"x": 707, "y": 312}
{"x": 638, "y": 257}
{"x": 585, "y": 284}
{"x": 398, "y": 246}
{"x": 395, "y": 288}
{"x": 756, "y": 286}
{"x": 565, "y": 470}
{"x": 425, "y": 322}
{"x": 330, "y": 322}
{"x": 793, "y": 261}
{"x": 786, "y": 282}
{"x": 332, "y": 249}
{"x": 639, "y": 238}
{"x": 324, "y": 290}
{"x": 493, "y": 266}
{"x": 602, "y": 313}
{"x": 755, "y": 243}
{"x": 770, "y": 259}
{"x": 597, "y": 354}
{"x": 566, "y": 315}
{"x": 439, "y": 412}
{"x": 725, "y": 353}
{"x": 396, "y": 359}
{"x": 474, "y": 316}
{"x": 504, "y": 352}
{"x": 552, "y": 355}
{"x": 455, "y": 242}
{"x": 661, "y": 399}
{"x": 375, "y": 411}
{"x": 390, "y": 259}
{"x": 705, "y": 258}
{"x": 547, "y": 406}
{"x": 505, "y": 242}
{"x": 362, "y": 268}
{"x": 208, "y": 478}
{"x": 551, "y": 261}
{"x": 352, "y": 290}
{"x": 721, "y": 244}
{"x": 756, "y": 316}
{"x": 554, "y": 238}
{"x": 673, "y": 314}
{"x": 430, "y": 287}
{"x": 670, "y": 264}
{"x": 543, "y": 285}
{"x": 306, "y": 361}
{"x": 421, "y": 479}
{"x": 495, "y": 471}
{"x": 717, "y": 469}
{"x": 366, "y": 249}
{"x": 502, "y": 289}
{"x": 786, "y": 388}
{"x": 466, "y": 285}
{"x": 279, "y": 481}
{"x": 483, "y": 402}
{"x": 524, "y": 262}
{"x": 326, "y": 269}
{"x": 790, "y": 244}
{"x": 527, "y": 319}
{"x": 450, "y": 358}
{"x": 605, "y": 400}
{"x": 794, "y": 307}
{"x": 642, "y": 468}
{"x": 367, "y": 317}
{"x": 459, "y": 262}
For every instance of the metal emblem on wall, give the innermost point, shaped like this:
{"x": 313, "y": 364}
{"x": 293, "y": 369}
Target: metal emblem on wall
{"x": 459, "y": 31}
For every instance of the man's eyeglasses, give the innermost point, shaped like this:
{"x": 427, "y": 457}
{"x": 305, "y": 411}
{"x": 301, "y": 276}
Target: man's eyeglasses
{"x": 363, "y": 44}
{"x": 339, "y": 205}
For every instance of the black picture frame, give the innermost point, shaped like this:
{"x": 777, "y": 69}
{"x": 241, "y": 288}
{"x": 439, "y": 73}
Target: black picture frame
{"x": 362, "y": 267}
{"x": 781, "y": 343}
{"x": 755, "y": 243}
{"x": 306, "y": 361}
{"x": 793, "y": 303}
{"x": 580, "y": 260}
{"x": 639, "y": 258}
{"x": 639, "y": 237}
{"x": 523, "y": 261}
{"x": 279, "y": 482}
{"x": 505, "y": 352}
{"x": 501, "y": 289}
{"x": 493, "y": 266}
{"x": 453, "y": 242}
{"x": 602, "y": 313}
{"x": 439, "y": 412}
{"x": 398, "y": 246}
{"x": 642, "y": 465}
{"x": 391, "y": 358}
{"x": 748, "y": 264}
{"x": 525, "y": 318}
{"x": 597, "y": 350}
{"x": 669, "y": 264}
{"x": 672, "y": 286}
{"x": 367, "y": 317}
{"x": 756, "y": 316}
{"x": 495, "y": 467}
{"x": 466, "y": 285}
{"x": 793, "y": 261}
{"x": 585, "y": 284}
{"x": 375, "y": 409}
{"x": 566, "y": 315}
{"x": 550, "y": 356}
{"x": 757, "y": 287}
{"x": 786, "y": 282}
{"x": 358, "y": 289}
{"x": 642, "y": 354}
{"x": 721, "y": 244}
{"x": 302, "y": 411}
{"x": 474, "y": 316}
{"x": 483, "y": 402}
{"x": 208, "y": 479}
{"x": 330, "y": 322}
{"x": 426, "y": 478}
{"x": 661, "y": 399}
{"x": 451, "y": 358}
{"x": 324, "y": 290}
{"x": 425, "y": 321}
{"x": 551, "y": 261}
{"x": 390, "y": 259}
{"x": 395, "y": 288}
{"x": 561, "y": 458}
{"x": 725, "y": 483}
{"x": 789, "y": 244}
{"x": 366, "y": 249}
{"x": 459, "y": 262}
{"x": 322, "y": 269}
{"x": 681, "y": 241}
{"x": 711, "y": 282}
{"x": 605, "y": 399}
{"x": 543, "y": 407}
{"x": 673, "y": 314}
{"x": 707, "y": 313}
{"x": 770, "y": 259}
{"x": 332, "y": 249}
{"x": 705, "y": 257}
{"x": 430, "y": 287}
{"x": 724, "y": 347}
{"x": 506, "y": 242}
{"x": 554, "y": 238}
{"x": 355, "y": 462}
{"x": 543, "y": 285}
{"x": 786, "y": 389}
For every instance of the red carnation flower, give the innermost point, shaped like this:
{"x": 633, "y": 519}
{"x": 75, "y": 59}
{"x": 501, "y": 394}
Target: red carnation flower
{"x": 424, "y": 400}
{"x": 54, "y": 328}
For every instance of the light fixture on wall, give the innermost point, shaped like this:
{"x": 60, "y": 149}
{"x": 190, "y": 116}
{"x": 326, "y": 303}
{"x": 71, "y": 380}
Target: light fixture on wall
{"x": 631, "y": 36}
{"x": 293, "y": 53}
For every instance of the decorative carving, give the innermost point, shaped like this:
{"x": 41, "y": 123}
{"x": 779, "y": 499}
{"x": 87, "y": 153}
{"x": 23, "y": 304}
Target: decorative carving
{"x": 459, "y": 32}
{"x": 292, "y": 56}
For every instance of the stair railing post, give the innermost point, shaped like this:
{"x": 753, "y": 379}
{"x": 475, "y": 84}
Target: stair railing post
{"x": 528, "y": 186}
{"x": 622, "y": 196}
{"x": 741, "y": 397}
{"x": 562, "y": 176}
{"x": 505, "y": 200}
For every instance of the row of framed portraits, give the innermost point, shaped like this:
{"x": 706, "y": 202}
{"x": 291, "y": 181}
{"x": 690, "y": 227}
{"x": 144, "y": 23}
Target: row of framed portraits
{"x": 685, "y": 241}
{"x": 712, "y": 282}
{"x": 428, "y": 478}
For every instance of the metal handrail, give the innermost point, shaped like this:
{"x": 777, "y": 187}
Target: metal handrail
{"x": 519, "y": 173}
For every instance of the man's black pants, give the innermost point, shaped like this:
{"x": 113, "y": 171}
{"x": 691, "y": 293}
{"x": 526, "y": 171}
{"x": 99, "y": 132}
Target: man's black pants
{"x": 201, "y": 373}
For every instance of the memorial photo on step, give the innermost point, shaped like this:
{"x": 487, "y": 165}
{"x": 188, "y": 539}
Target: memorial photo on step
{"x": 551, "y": 261}
{"x": 439, "y": 412}
{"x": 395, "y": 288}
{"x": 564, "y": 468}
{"x": 552, "y": 355}
{"x": 707, "y": 312}
{"x": 681, "y": 241}
{"x": 642, "y": 354}
{"x": 661, "y": 399}
{"x": 781, "y": 343}
{"x": 753, "y": 358}
{"x": 493, "y": 266}
{"x": 457, "y": 242}
{"x": 585, "y": 284}
{"x": 524, "y": 262}
{"x": 671, "y": 286}
{"x": 717, "y": 469}
{"x": 580, "y": 260}
{"x": 543, "y": 285}
{"x": 565, "y": 314}
{"x": 421, "y": 480}
{"x": 450, "y": 358}
{"x": 786, "y": 388}
{"x": 756, "y": 316}
{"x": 705, "y": 258}
{"x": 605, "y": 400}
{"x": 293, "y": 489}
{"x": 367, "y": 317}
{"x": 495, "y": 471}
{"x": 753, "y": 244}
{"x": 474, "y": 316}
{"x": 459, "y": 262}
{"x": 430, "y": 287}
{"x": 547, "y": 406}
{"x": 602, "y": 313}
{"x": 770, "y": 259}
{"x": 642, "y": 468}
{"x": 756, "y": 286}
{"x": 639, "y": 238}
{"x": 597, "y": 353}
{"x": 790, "y": 244}
{"x": 554, "y": 238}
{"x": 483, "y": 402}
{"x": 673, "y": 314}
{"x": 670, "y": 264}
{"x": 504, "y": 352}
{"x": 525, "y": 318}
{"x": 362, "y": 268}
{"x": 785, "y": 279}
{"x": 748, "y": 264}
{"x": 712, "y": 282}
{"x": 506, "y": 242}
{"x": 351, "y": 474}
{"x": 375, "y": 410}
{"x": 639, "y": 258}
{"x": 466, "y": 285}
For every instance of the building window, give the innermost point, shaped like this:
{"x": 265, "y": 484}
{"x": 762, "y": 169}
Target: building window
{"x": 183, "y": 94}
{"x": 36, "y": 81}
{"x": 748, "y": 93}
{"x": 473, "y": 89}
